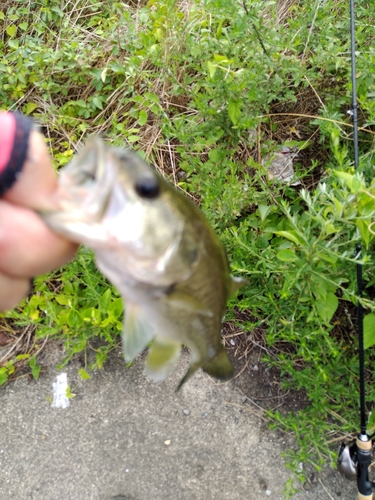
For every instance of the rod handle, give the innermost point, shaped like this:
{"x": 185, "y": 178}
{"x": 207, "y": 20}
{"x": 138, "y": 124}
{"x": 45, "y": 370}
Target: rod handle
{"x": 364, "y": 456}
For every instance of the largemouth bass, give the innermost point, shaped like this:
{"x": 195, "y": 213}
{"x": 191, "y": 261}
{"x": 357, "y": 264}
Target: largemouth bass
{"x": 156, "y": 247}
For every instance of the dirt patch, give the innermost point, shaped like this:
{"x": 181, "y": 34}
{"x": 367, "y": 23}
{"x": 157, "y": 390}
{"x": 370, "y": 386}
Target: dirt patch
{"x": 262, "y": 384}
{"x": 256, "y": 378}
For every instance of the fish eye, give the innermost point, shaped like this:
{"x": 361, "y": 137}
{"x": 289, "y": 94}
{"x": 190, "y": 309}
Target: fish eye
{"x": 148, "y": 187}
{"x": 85, "y": 177}
{"x": 89, "y": 175}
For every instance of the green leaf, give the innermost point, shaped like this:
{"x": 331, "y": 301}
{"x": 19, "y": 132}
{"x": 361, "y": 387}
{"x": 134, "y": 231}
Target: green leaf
{"x": 32, "y": 361}
{"x": 264, "y": 210}
{"x": 234, "y": 111}
{"x": 353, "y": 181}
{"x": 330, "y": 228}
{"x": 286, "y": 255}
{"x": 3, "y": 376}
{"x": 116, "y": 307}
{"x": 292, "y": 236}
{"x": 365, "y": 233}
{"x": 215, "y": 155}
{"x": 30, "y": 107}
{"x": 97, "y": 102}
{"x": 11, "y": 30}
{"x": 369, "y": 330}
{"x": 332, "y": 259}
{"x": 21, "y": 357}
{"x": 91, "y": 315}
{"x": 35, "y": 368}
{"x": 133, "y": 138}
{"x": 83, "y": 374}
{"x": 211, "y": 68}
{"x": 74, "y": 319}
{"x": 358, "y": 184}
{"x": 142, "y": 120}
{"x": 327, "y": 308}
{"x": 105, "y": 299}
{"x": 221, "y": 59}
{"x": 319, "y": 288}
{"x": 100, "y": 358}
{"x": 10, "y": 367}
{"x": 103, "y": 74}
{"x": 2, "y": 16}
{"x": 69, "y": 394}
{"x": 63, "y": 300}
{"x": 14, "y": 44}
{"x": 338, "y": 206}
{"x": 348, "y": 178}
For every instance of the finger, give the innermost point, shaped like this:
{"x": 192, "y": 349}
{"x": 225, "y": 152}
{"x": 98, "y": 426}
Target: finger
{"x": 27, "y": 246}
{"x": 37, "y": 180}
{"x": 12, "y": 291}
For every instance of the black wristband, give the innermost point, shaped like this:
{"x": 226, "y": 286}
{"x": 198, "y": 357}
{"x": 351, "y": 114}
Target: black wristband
{"x": 9, "y": 175}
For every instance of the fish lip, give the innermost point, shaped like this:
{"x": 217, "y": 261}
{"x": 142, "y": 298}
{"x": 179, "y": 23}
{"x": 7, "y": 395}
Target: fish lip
{"x": 79, "y": 206}
{"x": 75, "y": 200}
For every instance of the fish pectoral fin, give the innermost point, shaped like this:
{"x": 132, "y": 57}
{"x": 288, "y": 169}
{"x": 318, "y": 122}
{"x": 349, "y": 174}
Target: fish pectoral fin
{"x": 162, "y": 358}
{"x": 236, "y": 284}
{"x": 183, "y": 300}
{"x": 138, "y": 332}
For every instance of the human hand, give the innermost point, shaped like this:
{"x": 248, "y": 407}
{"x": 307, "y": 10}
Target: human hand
{"x": 27, "y": 246}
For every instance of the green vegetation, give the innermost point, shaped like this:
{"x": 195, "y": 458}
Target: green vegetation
{"x": 206, "y": 90}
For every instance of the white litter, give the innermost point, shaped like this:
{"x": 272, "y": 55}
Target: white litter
{"x": 280, "y": 165}
{"x": 59, "y": 391}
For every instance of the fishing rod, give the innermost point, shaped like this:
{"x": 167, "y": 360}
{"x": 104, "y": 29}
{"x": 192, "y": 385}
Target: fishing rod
{"x": 355, "y": 457}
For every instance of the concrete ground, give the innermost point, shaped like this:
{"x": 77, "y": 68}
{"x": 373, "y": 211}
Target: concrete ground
{"x": 126, "y": 438}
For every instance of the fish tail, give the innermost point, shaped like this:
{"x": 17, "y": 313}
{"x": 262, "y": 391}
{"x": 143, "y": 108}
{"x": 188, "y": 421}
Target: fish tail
{"x": 220, "y": 366}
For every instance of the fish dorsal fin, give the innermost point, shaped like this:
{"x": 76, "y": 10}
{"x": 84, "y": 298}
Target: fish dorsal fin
{"x": 138, "y": 331}
{"x": 162, "y": 358}
{"x": 186, "y": 301}
{"x": 235, "y": 284}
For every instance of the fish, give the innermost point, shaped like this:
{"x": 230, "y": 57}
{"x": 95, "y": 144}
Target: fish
{"x": 157, "y": 248}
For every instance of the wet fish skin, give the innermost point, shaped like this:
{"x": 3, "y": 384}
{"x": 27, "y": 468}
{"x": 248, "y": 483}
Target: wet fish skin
{"x": 157, "y": 248}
